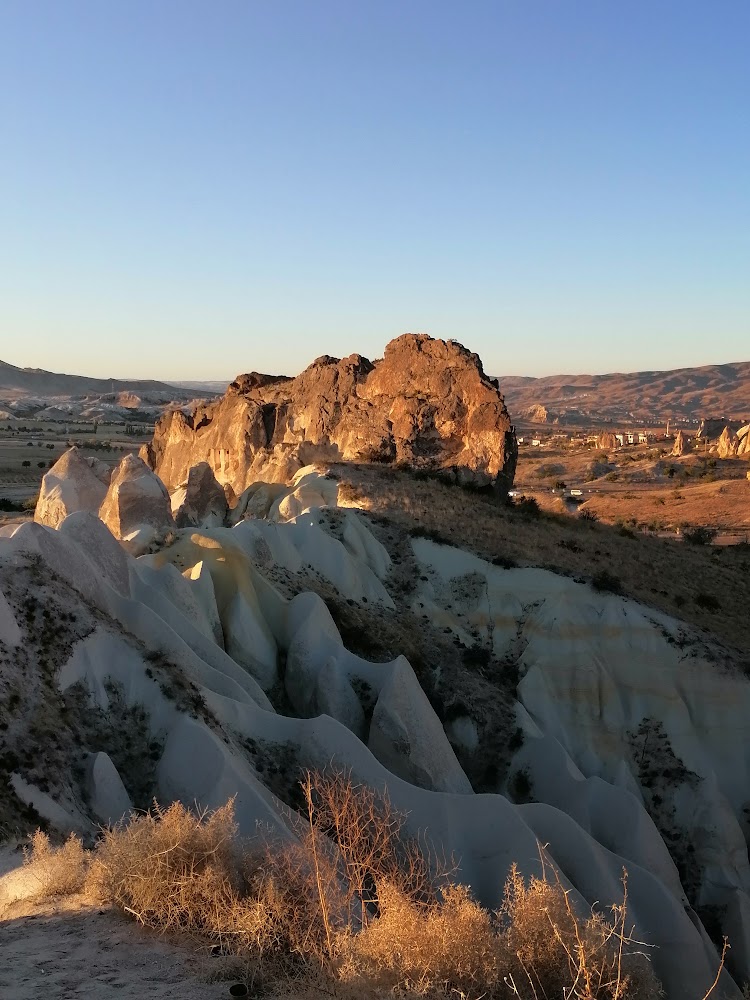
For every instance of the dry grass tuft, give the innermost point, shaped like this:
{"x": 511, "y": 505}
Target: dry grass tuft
{"x": 560, "y": 954}
{"x": 59, "y": 871}
{"x": 175, "y": 871}
{"x": 536, "y": 946}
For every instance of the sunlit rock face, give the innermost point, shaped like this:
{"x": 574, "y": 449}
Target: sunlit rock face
{"x": 137, "y": 507}
{"x": 73, "y": 483}
{"x": 427, "y": 403}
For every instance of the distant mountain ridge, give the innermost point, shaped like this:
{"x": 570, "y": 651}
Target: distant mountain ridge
{"x": 711, "y": 391}
{"x": 219, "y": 386}
{"x": 682, "y": 393}
{"x": 20, "y": 382}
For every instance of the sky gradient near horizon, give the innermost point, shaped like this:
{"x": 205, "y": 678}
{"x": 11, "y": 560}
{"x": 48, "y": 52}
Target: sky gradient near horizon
{"x": 190, "y": 189}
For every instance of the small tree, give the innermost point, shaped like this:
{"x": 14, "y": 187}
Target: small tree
{"x": 699, "y": 535}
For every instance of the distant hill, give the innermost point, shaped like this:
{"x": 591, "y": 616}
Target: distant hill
{"x": 219, "y": 387}
{"x": 683, "y": 393}
{"x": 19, "y": 382}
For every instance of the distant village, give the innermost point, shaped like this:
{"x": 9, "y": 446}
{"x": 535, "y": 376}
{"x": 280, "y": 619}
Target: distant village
{"x": 621, "y": 439}
{"x": 704, "y": 434}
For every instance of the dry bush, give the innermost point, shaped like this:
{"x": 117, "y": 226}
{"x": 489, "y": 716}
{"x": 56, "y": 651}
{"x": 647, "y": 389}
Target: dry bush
{"x": 557, "y": 953}
{"x": 371, "y": 842}
{"x": 536, "y": 946}
{"x": 351, "y": 841}
{"x": 351, "y": 905}
{"x": 380, "y": 921}
{"x": 173, "y": 870}
{"x": 59, "y": 871}
{"x": 447, "y": 948}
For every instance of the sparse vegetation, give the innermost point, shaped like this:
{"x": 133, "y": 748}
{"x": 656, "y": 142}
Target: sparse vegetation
{"x": 660, "y": 775}
{"x": 58, "y": 871}
{"x": 528, "y": 506}
{"x": 520, "y": 786}
{"x": 708, "y": 601}
{"x": 353, "y": 906}
{"x": 430, "y": 533}
{"x": 496, "y": 530}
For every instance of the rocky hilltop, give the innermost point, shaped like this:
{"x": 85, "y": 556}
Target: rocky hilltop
{"x": 427, "y": 403}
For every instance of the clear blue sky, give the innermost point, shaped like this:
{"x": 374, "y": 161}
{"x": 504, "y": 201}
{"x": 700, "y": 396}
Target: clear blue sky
{"x": 193, "y": 188}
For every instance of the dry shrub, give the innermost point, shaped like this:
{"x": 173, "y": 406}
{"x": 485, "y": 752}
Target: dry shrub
{"x": 326, "y": 886}
{"x": 450, "y": 947}
{"x": 303, "y": 899}
{"x": 371, "y": 844}
{"x": 352, "y": 905}
{"x": 382, "y": 923}
{"x": 536, "y": 946}
{"x": 173, "y": 870}
{"x": 554, "y": 952}
{"x": 59, "y": 871}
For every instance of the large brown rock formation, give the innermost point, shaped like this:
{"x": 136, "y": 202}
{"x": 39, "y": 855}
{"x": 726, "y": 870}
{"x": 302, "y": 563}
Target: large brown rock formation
{"x": 427, "y": 403}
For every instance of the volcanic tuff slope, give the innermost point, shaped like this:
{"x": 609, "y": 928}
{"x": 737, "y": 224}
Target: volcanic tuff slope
{"x": 235, "y": 657}
{"x": 427, "y": 404}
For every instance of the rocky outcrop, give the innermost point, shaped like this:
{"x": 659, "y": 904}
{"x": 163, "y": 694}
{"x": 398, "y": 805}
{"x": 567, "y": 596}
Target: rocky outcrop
{"x": 679, "y": 445}
{"x": 200, "y": 501}
{"x": 427, "y": 404}
{"x": 108, "y": 798}
{"x": 726, "y": 446}
{"x": 606, "y": 441}
{"x": 136, "y": 508}
{"x": 408, "y": 738}
{"x": 73, "y": 483}
{"x": 743, "y": 439}
{"x": 537, "y": 414}
{"x": 711, "y": 428}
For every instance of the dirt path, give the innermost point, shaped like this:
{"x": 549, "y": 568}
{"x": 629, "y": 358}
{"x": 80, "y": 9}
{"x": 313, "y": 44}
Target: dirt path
{"x": 70, "y": 950}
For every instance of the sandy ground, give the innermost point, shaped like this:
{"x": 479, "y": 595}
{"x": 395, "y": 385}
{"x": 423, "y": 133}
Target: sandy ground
{"x": 64, "y": 952}
{"x": 68, "y": 948}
